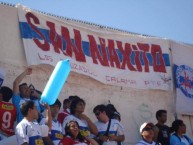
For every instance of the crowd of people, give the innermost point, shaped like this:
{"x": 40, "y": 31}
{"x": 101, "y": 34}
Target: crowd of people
{"x": 39, "y": 124}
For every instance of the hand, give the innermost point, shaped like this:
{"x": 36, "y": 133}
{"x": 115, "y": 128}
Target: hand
{"x": 104, "y": 138}
{"x": 46, "y": 106}
{"x": 84, "y": 117}
{"x": 112, "y": 138}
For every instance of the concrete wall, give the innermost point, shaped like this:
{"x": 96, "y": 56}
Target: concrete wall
{"x": 136, "y": 106}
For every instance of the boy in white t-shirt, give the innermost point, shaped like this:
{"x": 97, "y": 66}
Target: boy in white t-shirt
{"x": 30, "y": 132}
{"x": 115, "y": 133}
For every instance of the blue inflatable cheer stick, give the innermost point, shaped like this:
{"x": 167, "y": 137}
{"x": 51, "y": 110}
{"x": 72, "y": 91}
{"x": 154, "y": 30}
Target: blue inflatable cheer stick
{"x": 56, "y": 82}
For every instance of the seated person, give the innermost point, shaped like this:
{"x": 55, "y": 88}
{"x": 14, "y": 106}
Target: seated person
{"x": 179, "y": 137}
{"x": 86, "y": 125}
{"x": 73, "y": 136}
{"x": 147, "y": 134}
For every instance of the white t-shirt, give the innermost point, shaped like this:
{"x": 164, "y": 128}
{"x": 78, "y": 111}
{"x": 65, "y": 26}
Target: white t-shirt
{"x": 143, "y": 142}
{"x": 56, "y": 132}
{"x": 115, "y": 129}
{"x": 30, "y": 132}
{"x": 84, "y": 130}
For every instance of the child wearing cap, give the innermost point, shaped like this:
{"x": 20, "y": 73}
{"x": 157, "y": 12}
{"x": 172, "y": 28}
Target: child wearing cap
{"x": 147, "y": 133}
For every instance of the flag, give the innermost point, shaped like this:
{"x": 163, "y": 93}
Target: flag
{"x": 183, "y": 72}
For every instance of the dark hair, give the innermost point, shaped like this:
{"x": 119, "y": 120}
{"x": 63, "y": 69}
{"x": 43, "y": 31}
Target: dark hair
{"x": 24, "y": 108}
{"x": 116, "y": 115}
{"x": 74, "y": 104}
{"x": 21, "y": 85}
{"x": 72, "y": 98}
{"x": 159, "y": 113}
{"x": 66, "y": 101}
{"x": 7, "y": 93}
{"x": 110, "y": 109}
{"x": 57, "y": 102}
{"x": 100, "y": 108}
{"x": 176, "y": 124}
{"x": 67, "y": 131}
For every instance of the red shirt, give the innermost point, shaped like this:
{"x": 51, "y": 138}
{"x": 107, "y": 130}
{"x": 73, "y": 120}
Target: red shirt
{"x": 8, "y": 116}
{"x": 70, "y": 141}
{"x": 63, "y": 115}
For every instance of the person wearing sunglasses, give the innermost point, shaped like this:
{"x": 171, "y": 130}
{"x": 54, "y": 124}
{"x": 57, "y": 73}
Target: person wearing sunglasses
{"x": 147, "y": 133}
{"x": 110, "y": 131}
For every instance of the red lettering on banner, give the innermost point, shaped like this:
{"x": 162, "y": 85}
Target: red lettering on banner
{"x": 145, "y": 49}
{"x": 156, "y": 50}
{"x": 77, "y": 48}
{"x": 105, "y": 54}
{"x": 55, "y": 38}
{"x": 137, "y": 58}
{"x": 113, "y": 54}
{"x": 94, "y": 51}
{"x": 44, "y": 46}
{"x": 126, "y": 55}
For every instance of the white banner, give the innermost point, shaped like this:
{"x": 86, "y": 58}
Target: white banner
{"x": 108, "y": 56}
{"x": 183, "y": 70}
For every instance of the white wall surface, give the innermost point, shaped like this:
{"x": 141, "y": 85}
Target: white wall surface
{"x": 136, "y": 106}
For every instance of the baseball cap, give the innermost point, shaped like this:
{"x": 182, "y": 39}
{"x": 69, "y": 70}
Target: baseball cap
{"x": 144, "y": 125}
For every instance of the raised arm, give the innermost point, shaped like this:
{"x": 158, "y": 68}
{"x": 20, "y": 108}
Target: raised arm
{"x": 48, "y": 116}
{"x": 17, "y": 81}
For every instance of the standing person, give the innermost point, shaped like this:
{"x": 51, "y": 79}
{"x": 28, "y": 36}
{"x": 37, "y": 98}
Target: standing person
{"x": 147, "y": 133}
{"x": 8, "y": 113}
{"x": 22, "y": 93}
{"x": 179, "y": 137}
{"x": 73, "y": 136}
{"x": 56, "y": 131}
{"x": 66, "y": 108}
{"x": 86, "y": 125}
{"x": 65, "y": 112}
{"x": 110, "y": 131}
{"x": 164, "y": 131}
{"x": 29, "y": 132}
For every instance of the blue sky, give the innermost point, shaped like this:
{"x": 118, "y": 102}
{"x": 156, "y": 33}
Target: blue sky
{"x": 172, "y": 19}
